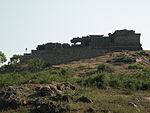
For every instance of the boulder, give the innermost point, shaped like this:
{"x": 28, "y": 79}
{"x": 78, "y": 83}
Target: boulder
{"x": 66, "y": 98}
{"x": 58, "y": 97}
{"x": 132, "y": 104}
{"x": 50, "y": 107}
{"x": 84, "y": 99}
{"x": 46, "y": 108}
{"x": 45, "y": 91}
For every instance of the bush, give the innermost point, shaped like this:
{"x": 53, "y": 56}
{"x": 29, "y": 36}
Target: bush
{"x": 67, "y": 72}
{"x": 116, "y": 82}
{"x": 15, "y": 59}
{"x": 12, "y": 68}
{"x": 35, "y": 64}
{"x": 100, "y": 80}
{"x": 135, "y": 66}
{"x": 105, "y": 68}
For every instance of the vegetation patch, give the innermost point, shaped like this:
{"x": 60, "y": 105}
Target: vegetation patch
{"x": 137, "y": 81}
{"x": 122, "y": 59}
{"x": 105, "y": 68}
{"x": 141, "y": 53}
{"x": 135, "y": 66}
{"x": 45, "y": 76}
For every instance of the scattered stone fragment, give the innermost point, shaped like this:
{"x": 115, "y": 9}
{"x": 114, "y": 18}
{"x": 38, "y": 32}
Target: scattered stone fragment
{"x": 132, "y": 104}
{"x": 54, "y": 89}
{"x": 65, "y": 86}
{"x": 84, "y": 99}
{"x": 90, "y": 110}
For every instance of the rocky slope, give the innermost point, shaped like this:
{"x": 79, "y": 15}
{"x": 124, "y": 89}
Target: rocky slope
{"x": 72, "y": 97}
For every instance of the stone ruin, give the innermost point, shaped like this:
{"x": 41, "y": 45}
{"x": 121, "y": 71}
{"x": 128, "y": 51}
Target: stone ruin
{"x": 85, "y": 47}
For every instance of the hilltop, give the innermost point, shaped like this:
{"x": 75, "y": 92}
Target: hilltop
{"x": 117, "y": 82}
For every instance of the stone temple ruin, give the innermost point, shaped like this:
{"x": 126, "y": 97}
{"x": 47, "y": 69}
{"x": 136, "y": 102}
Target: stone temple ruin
{"x": 85, "y": 47}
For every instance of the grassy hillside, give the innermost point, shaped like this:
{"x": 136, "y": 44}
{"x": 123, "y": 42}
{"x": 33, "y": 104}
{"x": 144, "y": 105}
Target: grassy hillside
{"x": 118, "y": 82}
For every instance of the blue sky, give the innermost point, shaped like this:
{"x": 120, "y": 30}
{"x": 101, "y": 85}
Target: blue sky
{"x": 27, "y": 23}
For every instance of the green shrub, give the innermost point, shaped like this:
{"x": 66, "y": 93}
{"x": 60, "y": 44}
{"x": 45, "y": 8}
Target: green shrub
{"x": 100, "y": 80}
{"x": 35, "y": 64}
{"x": 133, "y": 84}
{"x": 135, "y": 66}
{"x": 15, "y": 59}
{"x": 67, "y": 72}
{"x": 3, "y": 68}
{"x": 116, "y": 82}
{"x": 105, "y": 68}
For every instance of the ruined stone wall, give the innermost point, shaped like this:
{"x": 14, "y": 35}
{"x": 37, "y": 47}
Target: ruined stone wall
{"x": 100, "y": 42}
{"x": 91, "y": 46}
{"x": 64, "y": 55}
{"x": 127, "y": 40}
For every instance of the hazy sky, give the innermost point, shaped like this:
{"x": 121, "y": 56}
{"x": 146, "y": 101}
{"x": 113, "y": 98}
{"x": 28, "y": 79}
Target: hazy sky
{"x": 27, "y": 23}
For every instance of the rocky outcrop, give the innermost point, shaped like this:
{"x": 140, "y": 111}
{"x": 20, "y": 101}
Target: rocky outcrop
{"x": 50, "y": 107}
{"x": 9, "y": 98}
{"x": 66, "y": 98}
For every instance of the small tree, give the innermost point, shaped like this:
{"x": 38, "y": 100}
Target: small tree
{"x": 35, "y": 64}
{"x": 15, "y": 59}
{"x": 2, "y": 58}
